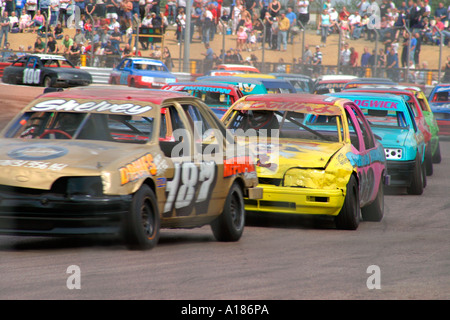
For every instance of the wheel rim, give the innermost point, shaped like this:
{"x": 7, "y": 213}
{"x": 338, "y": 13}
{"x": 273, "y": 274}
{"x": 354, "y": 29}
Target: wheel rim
{"x": 148, "y": 219}
{"x": 237, "y": 216}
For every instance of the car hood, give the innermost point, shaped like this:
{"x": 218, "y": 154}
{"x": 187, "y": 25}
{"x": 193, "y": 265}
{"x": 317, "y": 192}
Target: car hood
{"x": 274, "y": 159}
{"x": 37, "y": 164}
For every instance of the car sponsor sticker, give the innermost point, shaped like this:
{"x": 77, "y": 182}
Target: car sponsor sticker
{"x": 139, "y": 168}
{"x": 127, "y": 108}
{"x": 38, "y": 152}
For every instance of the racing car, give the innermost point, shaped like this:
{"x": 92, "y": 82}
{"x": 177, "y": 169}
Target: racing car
{"x": 218, "y": 96}
{"x": 424, "y": 117}
{"x": 393, "y": 121}
{"x": 46, "y": 70}
{"x": 141, "y": 73}
{"x": 122, "y": 161}
{"x": 315, "y": 155}
{"x": 440, "y": 105}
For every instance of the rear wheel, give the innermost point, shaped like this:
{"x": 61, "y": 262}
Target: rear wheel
{"x": 350, "y": 214}
{"x": 229, "y": 226}
{"x": 375, "y": 210}
{"x": 437, "y": 155}
{"x": 417, "y": 183}
{"x": 428, "y": 161}
{"x": 142, "y": 224}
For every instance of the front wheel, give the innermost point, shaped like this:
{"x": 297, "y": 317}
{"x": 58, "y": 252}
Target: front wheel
{"x": 350, "y": 214}
{"x": 47, "y": 82}
{"x": 142, "y": 224}
{"x": 229, "y": 226}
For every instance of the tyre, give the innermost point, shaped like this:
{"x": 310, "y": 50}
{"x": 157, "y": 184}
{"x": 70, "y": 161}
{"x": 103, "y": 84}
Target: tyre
{"x": 417, "y": 183}
{"x": 428, "y": 162}
{"x": 375, "y": 210}
{"x": 350, "y": 214}
{"x": 47, "y": 82}
{"x": 229, "y": 226}
{"x": 437, "y": 155}
{"x": 142, "y": 224}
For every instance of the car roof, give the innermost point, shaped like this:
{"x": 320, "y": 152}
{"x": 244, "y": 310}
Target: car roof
{"x": 291, "y": 75}
{"x": 380, "y": 89}
{"x": 291, "y": 102}
{"x": 369, "y": 95}
{"x": 46, "y": 56}
{"x": 236, "y": 66}
{"x": 229, "y": 79}
{"x": 202, "y": 83}
{"x": 144, "y": 60}
{"x": 121, "y": 93}
{"x": 336, "y": 77}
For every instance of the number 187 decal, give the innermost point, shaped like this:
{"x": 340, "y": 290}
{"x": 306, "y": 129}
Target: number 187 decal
{"x": 189, "y": 178}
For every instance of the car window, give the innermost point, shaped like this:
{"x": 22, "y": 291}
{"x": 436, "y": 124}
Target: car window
{"x": 88, "y": 126}
{"x": 365, "y": 130}
{"x": 202, "y": 127}
{"x": 174, "y": 139}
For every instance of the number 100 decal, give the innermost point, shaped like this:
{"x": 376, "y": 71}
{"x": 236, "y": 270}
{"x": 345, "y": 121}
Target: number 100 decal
{"x": 31, "y": 75}
{"x": 188, "y": 180}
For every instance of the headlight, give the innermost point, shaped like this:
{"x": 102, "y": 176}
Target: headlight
{"x": 170, "y": 80}
{"x": 88, "y": 186}
{"x": 393, "y": 153}
{"x": 147, "y": 79}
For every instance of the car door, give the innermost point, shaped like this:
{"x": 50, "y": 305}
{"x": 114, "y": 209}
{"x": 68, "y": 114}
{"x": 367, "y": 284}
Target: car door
{"x": 32, "y": 73}
{"x": 125, "y": 72}
{"x": 367, "y": 158}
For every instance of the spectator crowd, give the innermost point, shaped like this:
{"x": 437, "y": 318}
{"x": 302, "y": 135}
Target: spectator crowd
{"x": 107, "y": 26}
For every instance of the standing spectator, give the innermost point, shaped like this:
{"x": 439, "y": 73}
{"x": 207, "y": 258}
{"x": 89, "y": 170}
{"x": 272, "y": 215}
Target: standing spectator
{"x": 9, "y": 6}
{"x": 63, "y": 14}
{"x": 303, "y": 12}
{"x": 292, "y": 23}
{"x": 283, "y": 28}
{"x": 250, "y": 5}
{"x": 209, "y": 59}
{"x": 54, "y": 8}
{"x": 345, "y": 58}
{"x": 353, "y": 60}
{"x": 4, "y": 28}
{"x": 44, "y": 5}
{"x": 20, "y": 5}
{"x": 317, "y": 62}
{"x": 418, "y": 38}
{"x": 307, "y": 55}
{"x": 111, "y": 9}
{"x": 31, "y": 7}
{"x": 167, "y": 58}
{"x": 392, "y": 65}
{"x": 365, "y": 61}
{"x": 268, "y": 26}
{"x": 381, "y": 63}
{"x": 274, "y": 8}
{"x": 241, "y": 38}
{"x": 100, "y": 9}
{"x": 81, "y": 5}
{"x": 172, "y": 11}
{"x": 441, "y": 12}
{"x": 324, "y": 26}
{"x": 90, "y": 8}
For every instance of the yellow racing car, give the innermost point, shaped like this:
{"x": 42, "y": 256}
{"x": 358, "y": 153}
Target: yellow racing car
{"x": 315, "y": 155}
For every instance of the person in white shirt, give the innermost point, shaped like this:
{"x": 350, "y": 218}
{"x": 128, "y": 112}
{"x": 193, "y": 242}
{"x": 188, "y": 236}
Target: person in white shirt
{"x": 303, "y": 12}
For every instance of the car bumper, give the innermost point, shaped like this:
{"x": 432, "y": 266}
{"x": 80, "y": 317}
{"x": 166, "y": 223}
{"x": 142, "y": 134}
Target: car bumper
{"x": 59, "y": 215}
{"x": 297, "y": 201}
{"x": 61, "y": 83}
{"x": 400, "y": 172}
